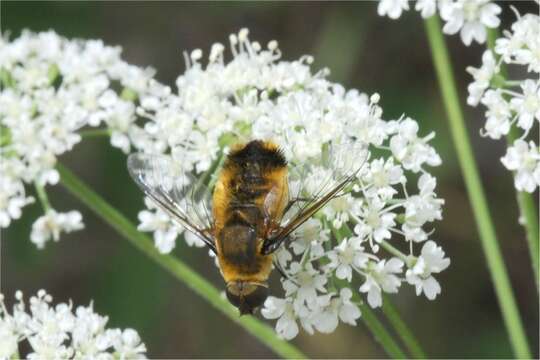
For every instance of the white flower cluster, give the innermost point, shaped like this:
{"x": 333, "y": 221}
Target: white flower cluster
{"x": 58, "y": 332}
{"x": 352, "y": 246}
{"x": 513, "y": 103}
{"x": 50, "y": 89}
{"x": 468, "y": 17}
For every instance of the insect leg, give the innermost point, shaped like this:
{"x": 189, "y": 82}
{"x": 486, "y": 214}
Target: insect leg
{"x": 272, "y": 245}
{"x": 294, "y": 201}
{"x": 280, "y": 270}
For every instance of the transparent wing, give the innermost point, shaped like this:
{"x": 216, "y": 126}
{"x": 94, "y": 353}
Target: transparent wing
{"x": 312, "y": 185}
{"x": 186, "y": 200}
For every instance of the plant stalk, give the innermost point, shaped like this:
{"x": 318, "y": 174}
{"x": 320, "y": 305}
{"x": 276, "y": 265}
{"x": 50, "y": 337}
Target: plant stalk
{"x": 503, "y": 289}
{"x": 380, "y": 333}
{"x": 175, "y": 266}
{"x": 402, "y": 329}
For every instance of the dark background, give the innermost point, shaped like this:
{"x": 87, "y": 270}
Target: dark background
{"x": 363, "y": 51}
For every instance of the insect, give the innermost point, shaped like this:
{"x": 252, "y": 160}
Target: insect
{"x": 246, "y": 223}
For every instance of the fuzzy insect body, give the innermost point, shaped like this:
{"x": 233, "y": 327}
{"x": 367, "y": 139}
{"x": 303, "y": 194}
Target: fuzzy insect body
{"x": 249, "y": 198}
{"x": 248, "y": 203}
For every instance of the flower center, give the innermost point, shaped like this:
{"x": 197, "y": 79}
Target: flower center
{"x": 305, "y": 279}
{"x": 531, "y": 103}
{"x": 380, "y": 179}
{"x": 373, "y": 219}
{"x": 340, "y": 204}
{"x": 470, "y": 10}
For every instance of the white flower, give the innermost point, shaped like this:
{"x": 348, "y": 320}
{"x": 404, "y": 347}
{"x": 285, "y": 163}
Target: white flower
{"x": 374, "y": 222}
{"x": 334, "y": 308}
{"x": 49, "y": 226}
{"x": 383, "y": 175}
{"x": 427, "y": 8}
{"x": 520, "y": 46}
{"x": 165, "y": 233}
{"x": 411, "y": 150}
{"x": 347, "y": 255}
{"x": 128, "y": 344}
{"x": 524, "y": 159}
{"x": 8, "y": 338}
{"x": 304, "y": 284}
{"x": 337, "y": 210}
{"x": 431, "y": 261}
{"x": 57, "y": 332}
{"x": 482, "y": 78}
{"x": 498, "y": 114}
{"x": 470, "y": 18}
{"x": 425, "y": 206}
{"x": 381, "y": 276}
{"x": 527, "y": 106}
{"x": 12, "y": 200}
{"x": 310, "y": 235}
{"x": 281, "y": 309}
{"x": 392, "y": 8}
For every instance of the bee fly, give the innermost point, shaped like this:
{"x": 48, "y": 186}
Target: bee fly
{"x": 245, "y": 226}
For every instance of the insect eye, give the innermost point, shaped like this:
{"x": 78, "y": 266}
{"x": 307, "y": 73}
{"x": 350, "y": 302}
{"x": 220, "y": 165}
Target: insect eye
{"x": 257, "y": 297}
{"x": 233, "y": 299}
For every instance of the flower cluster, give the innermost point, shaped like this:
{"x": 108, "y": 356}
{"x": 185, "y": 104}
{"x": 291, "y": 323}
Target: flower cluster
{"x": 513, "y": 103}
{"x": 364, "y": 242}
{"x": 353, "y": 245}
{"x": 58, "y": 332}
{"x": 50, "y": 89}
{"x": 470, "y": 18}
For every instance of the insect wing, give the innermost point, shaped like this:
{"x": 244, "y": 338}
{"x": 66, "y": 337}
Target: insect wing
{"x": 176, "y": 192}
{"x": 313, "y": 185}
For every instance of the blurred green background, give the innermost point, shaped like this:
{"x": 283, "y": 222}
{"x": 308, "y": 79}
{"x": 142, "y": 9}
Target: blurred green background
{"x": 363, "y": 51}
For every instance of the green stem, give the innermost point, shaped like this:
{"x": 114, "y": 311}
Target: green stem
{"x": 402, "y": 329}
{"x": 176, "y": 267}
{"x": 94, "y": 133}
{"x": 527, "y": 207}
{"x": 380, "y": 332}
{"x": 507, "y": 303}
{"x": 392, "y": 250}
{"x": 42, "y": 196}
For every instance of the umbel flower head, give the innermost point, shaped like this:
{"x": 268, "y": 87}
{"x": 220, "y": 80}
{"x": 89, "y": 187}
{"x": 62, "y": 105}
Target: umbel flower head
{"x": 61, "y": 332}
{"x": 471, "y": 18}
{"x": 51, "y": 89}
{"x": 370, "y": 240}
{"x": 513, "y": 103}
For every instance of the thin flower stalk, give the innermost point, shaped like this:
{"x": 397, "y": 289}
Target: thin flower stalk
{"x": 381, "y": 334}
{"x": 402, "y": 329}
{"x": 176, "y": 267}
{"x": 503, "y": 289}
